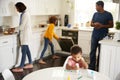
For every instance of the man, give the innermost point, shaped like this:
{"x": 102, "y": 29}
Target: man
{"x": 101, "y": 21}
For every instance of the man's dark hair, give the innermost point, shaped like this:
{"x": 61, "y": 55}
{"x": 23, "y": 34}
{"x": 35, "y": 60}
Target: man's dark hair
{"x": 20, "y": 6}
{"x": 75, "y": 49}
{"x": 52, "y": 19}
{"x": 100, "y": 3}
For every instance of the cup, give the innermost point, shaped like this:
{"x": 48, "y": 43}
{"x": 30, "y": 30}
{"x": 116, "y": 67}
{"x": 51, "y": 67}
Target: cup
{"x": 69, "y": 25}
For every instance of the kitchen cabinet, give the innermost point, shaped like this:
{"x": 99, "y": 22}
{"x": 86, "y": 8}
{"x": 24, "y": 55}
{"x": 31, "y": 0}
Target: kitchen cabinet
{"x": 7, "y": 52}
{"x": 42, "y": 7}
{"x": 58, "y": 32}
{"x": 35, "y": 45}
{"x": 84, "y": 41}
{"x": 45, "y": 7}
{"x": 109, "y": 58}
{"x": 36, "y": 7}
{"x": 53, "y": 7}
{"x": 7, "y": 8}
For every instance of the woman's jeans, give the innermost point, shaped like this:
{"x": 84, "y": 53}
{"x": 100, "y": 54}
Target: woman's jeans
{"x": 46, "y": 42}
{"x": 25, "y": 51}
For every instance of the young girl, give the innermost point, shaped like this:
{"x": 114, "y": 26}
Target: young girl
{"x": 48, "y": 36}
{"x": 76, "y": 60}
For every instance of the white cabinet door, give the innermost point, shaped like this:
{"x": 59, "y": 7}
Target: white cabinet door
{"x": 6, "y": 54}
{"x": 7, "y": 8}
{"x": 11, "y": 8}
{"x": 35, "y": 46}
{"x": 117, "y": 63}
{"x": 4, "y": 8}
{"x": 53, "y": 7}
{"x": 57, "y": 8}
{"x": 36, "y": 7}
{"x": 14, "y": 45}
{"x": 84, "y": 41}
{"x": 107, "y": 60}
{"x": 55, "y": 42}
{"x": 44, "y": 7}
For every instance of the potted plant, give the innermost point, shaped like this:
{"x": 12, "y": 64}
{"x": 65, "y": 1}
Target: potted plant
{"x": 117, "y": 25}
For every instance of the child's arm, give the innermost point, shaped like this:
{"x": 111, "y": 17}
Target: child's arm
{"x": 55, "y": 36}
{"x": 85, "y": 65}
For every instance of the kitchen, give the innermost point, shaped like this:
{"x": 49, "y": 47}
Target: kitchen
{"x": 40, "y": 11}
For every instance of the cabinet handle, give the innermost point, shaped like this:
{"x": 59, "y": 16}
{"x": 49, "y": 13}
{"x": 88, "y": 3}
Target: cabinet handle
{"x": 5, "y": 42}
{"x": 12, "y": 51}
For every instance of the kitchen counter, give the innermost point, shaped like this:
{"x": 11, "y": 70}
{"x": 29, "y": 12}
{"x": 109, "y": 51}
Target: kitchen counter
{"x": 110, "y": 42}
{"x": 90, "y": 29}
{"x": 76, "y": 29}
{"x": 111, "y": 30}
{"x": 2, "y": 35}
{"x": 109, "y": 63}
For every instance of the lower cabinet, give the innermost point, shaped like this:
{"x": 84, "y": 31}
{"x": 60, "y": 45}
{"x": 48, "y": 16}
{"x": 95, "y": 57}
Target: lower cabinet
{"x": 55, "y": 42}
{"x": 84, "y": 41}
{"x": 35, "y": 46}
{"x": 7, "y": 52}
{"x": 109, "y": 61}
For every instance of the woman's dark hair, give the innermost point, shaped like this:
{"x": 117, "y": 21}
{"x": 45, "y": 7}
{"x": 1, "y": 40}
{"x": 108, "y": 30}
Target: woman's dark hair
{"x": 75, "y": 49}
{"x": 52, "y": 19}
{"x": 20, "y": 6}
{"x": 100, "y": 3}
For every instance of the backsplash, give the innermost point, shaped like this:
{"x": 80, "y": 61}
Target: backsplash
{"x": 13, "y": 21}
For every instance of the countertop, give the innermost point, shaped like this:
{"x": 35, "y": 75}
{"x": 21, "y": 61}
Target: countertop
{"x": 36, "y": 30}
{"x": 109, "y": 42}
{"x": 2, "y": 35}
{"x": 111, "y": 30}
{"x": 76, "y": 29}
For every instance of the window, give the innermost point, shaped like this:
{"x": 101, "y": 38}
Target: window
{"x": 84, "y": 10}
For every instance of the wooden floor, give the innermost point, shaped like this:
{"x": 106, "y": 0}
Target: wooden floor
{"x": 50, "y": 63}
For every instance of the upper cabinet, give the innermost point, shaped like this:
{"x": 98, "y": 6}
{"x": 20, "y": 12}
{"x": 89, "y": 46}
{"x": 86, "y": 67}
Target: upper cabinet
{"x": 53, "y": 6}
{"x": 36, "y": 7}
{"x": 7, "y": 8}
{"x": 45, "y": 7}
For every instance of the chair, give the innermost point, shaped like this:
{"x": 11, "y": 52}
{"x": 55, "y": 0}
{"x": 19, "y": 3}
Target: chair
{"x": 118, "y": 77}
{"x": 7, "y": 75}
{"x": 64, "y": 66}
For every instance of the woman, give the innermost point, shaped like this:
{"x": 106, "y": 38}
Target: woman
{"x": 49, "y": 34}
{"x": 24, "y": 34}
